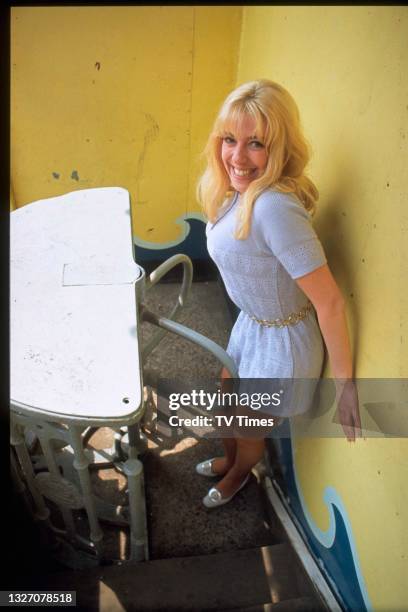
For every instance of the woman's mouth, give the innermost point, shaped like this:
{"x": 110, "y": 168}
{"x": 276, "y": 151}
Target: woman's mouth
{"x": 242, "y": 173}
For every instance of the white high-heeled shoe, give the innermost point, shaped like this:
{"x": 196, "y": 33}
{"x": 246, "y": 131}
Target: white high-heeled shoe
{"x": 214, "y": 497}
{"x": 205, "y": 468}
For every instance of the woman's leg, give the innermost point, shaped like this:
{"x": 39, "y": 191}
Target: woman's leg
{"x": 247, "y": 448}
{"x": 248, "y": 452}
{"x": 221, "y": 465}
{"x": 241, "y": 453}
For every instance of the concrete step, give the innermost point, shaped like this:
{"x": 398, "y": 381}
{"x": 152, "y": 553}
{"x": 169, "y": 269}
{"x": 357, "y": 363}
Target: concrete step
{"x": 300, "y": 604}
{"x": 243, "y": 579}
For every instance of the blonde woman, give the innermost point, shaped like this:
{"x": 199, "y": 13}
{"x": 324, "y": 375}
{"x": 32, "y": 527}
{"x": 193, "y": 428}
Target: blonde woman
{"x": 258, "y": 202}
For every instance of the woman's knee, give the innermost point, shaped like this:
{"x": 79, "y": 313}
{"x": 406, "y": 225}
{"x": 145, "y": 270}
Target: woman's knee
{"x": 225, "y": 373}
{"x": 251, "y": 444}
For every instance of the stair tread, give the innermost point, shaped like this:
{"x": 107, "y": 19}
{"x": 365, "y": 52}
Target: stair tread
{"x": 299, "y": 604}
{"x": 236, "y": 579}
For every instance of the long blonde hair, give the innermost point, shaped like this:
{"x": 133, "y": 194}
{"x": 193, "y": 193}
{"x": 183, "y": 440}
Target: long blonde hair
{"x": 277, "y": 119}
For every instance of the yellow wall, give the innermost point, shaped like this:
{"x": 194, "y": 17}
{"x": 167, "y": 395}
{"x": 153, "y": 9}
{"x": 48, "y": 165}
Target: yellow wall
{"x": 12, "y": 199}
{"x": 346, "y": 68}
{"x": 126, "y": 96}
{"x": 121, "y": 96}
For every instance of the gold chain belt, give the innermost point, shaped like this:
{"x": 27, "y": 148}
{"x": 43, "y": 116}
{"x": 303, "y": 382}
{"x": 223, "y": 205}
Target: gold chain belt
{"x": 291, "y": 319}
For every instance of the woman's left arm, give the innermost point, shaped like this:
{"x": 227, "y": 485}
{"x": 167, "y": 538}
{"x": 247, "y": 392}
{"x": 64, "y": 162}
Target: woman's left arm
{"x": 322, "y": 290}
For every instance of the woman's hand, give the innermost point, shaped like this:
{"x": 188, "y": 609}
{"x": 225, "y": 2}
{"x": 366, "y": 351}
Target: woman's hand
{"x": 347, "y": 411}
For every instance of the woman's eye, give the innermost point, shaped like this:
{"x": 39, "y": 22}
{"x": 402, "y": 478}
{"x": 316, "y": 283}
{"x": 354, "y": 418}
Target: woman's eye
{"x": 228, "y": 139}
{"x": 256, "y": 144}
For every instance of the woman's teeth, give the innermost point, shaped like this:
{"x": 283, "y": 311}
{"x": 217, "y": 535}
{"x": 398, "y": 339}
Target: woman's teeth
{"x": 241, "y": 172}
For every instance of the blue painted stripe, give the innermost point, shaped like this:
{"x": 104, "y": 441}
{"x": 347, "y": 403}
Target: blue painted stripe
{"x": 335, "y": 548}
{"x": 183, "y": 220}
{"x": 192, "y": 241}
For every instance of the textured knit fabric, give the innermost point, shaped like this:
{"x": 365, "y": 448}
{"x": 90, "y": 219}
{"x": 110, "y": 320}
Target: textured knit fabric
{"x": 259, "y": 274}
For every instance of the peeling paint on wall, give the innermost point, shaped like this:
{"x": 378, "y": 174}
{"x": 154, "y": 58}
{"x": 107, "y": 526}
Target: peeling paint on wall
{"x": 112, "y": 139}
{"x": 150, "y": 136}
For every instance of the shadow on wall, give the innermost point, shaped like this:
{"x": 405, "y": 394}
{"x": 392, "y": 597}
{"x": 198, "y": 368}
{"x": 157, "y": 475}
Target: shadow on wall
{"x": 333, "y": 225}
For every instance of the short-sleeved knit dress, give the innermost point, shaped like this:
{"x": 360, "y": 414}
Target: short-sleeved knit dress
{"x": 259, "y": 274}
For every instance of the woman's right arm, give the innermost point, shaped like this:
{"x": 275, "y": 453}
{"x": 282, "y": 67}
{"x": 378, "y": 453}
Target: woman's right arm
{"x": 322, "y": 290}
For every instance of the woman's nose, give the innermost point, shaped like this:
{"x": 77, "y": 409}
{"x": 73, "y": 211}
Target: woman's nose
{"x": 239, "y": 154}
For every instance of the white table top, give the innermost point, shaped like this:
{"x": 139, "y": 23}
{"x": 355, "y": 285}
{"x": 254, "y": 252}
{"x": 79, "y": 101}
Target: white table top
{"x": 74, "y": 331}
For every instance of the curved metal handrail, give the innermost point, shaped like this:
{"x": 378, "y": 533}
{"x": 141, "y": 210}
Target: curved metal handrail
{"x": 154, "y": 278}
{"x": 193, "y": 336}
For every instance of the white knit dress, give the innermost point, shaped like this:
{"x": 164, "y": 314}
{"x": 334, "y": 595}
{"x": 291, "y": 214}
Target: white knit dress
{"x": 259, "y": 274}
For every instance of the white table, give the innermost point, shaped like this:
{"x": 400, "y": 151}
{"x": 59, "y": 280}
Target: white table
{"x": 75, "y": 359}
{"x": 74, "y": 286}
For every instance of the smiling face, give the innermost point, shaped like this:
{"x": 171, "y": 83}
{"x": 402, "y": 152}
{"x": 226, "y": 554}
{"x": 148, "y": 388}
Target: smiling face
{"x": 243, "y": 153}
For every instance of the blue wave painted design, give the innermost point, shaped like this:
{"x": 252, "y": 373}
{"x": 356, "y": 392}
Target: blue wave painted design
{"x": 335, "y": 548}
{"x": 192, "y": 241}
